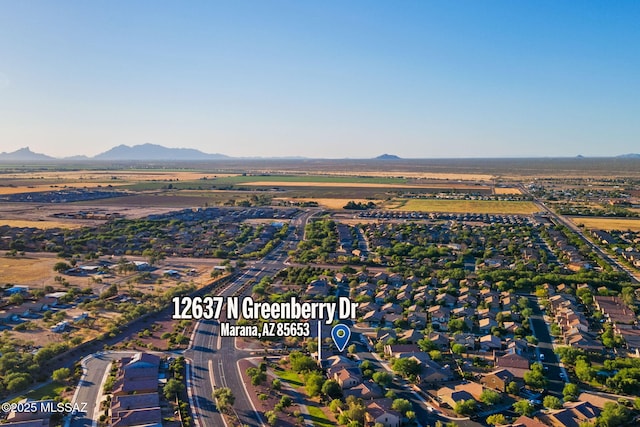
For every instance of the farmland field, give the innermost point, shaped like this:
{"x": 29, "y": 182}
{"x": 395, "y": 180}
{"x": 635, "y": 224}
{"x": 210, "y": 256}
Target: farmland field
{"x": 464, "y": 206}
{"x": 40, "y": 270}
{"x": 43, "y": 225}
{"x": 507, "y": 190}
{"x": 622, "y": 224}
{"x": 332, "y": 203}
{"x": 19, "y": 189}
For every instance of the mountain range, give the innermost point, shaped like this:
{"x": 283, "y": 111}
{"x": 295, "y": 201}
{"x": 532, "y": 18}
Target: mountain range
{"x": 155, "y": 152}
{"x": 143, "y": 152}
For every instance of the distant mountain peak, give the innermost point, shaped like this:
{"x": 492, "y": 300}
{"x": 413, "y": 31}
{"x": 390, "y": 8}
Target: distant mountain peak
{"x": 148, "y": 151}
{"x": 24, "y": 154}
{"x": 387, "y": 157}
{"x": 630, "y": 156}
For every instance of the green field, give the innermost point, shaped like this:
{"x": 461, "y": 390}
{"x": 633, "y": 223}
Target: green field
{"x": 238, "y": 180}
{"x": 463, "y": 206}
{"x": 318, "y": 418}
{"x": 49, "y": 390}
{"x": 290, "y": 377}
{"x": 227, "y": 181}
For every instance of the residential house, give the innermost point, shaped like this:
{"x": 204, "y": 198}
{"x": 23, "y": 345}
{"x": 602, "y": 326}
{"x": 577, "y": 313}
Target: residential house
{"x": 439, "y": 316}
{"x": 525, "y": 421}
{"x": 486, "y": 324}
{"x": 441, "y": 340}
{"x": 411, "y": 336}
{"x": 136, "y": 409}
{"x": 379, "y": 411}
{"x": 497, "y": 380}
{"x": 396, "y": 349}
{"x": 512, "y": 360}
{"x": 446, "y": 300}
{"x": 347, "y": 377}
{"x": 433, "y": 373}
{"x": 137, "y": 374}
{"x": 571, "y": 415}
{"x": 465, "y": 339}
{"x": 318, "y": 288}
{"x": 452, "y": 396}
{"x": 366, "y": 390}
{"x": 614, "y": 309}
{"x": 490, "y": 342}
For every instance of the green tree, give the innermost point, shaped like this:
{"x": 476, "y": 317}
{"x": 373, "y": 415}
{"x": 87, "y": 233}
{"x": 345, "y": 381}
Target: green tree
{"x": 406, "y": 367}
{"x": 512, "y": 387}
{"x": 570, "y": 392}
{"x": 613, "y": 415}
{"x": 458, "y": 349}
{"x": 552, "y": 402}
{"x": 61, "y": 375}
{"x": 490, "y": 397}
{"x": 465, "y": 407}
{"x": 272, "y": 417}
{"x": 583, "y": 370}
{"x": 314, "y": 383}
{"x": 496, "y": 419}
{"x": 224, "y": 398}
{"x": 523, "y": 407}
{"x": 383, "y": 378}
{"x": 172, "y": 388}
{"x": 285, "y": 401}
{"x": 535, "y": 377}
{"x": 401, "y": 405}
{"x": 61, "y": 267}
{"x": 426, "y": 344}
{"x": 301, "y": 362}
{"x": 332, "y": 389}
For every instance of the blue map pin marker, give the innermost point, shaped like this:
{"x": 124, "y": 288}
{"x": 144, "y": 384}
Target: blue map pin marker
{"x": 341, "y": 335}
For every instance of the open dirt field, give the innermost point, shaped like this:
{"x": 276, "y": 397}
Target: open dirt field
{"x": 112, "y": 177}
{"x": 5, "y": 189}
{"x": 507, "y": 190}
{"x": 405, "y": 174}
{"x": 463, "y": 206}
{"x": 27, "y": 270}
{"x": 622, "y": 224}
{"x": 330, "y": 203}
{"x": 326, "y": 184}
{"x": 41, "y": 224}
{"x": 434, "y": 186}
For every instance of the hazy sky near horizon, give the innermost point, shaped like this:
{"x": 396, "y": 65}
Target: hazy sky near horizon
{"x": 328, "y": 79}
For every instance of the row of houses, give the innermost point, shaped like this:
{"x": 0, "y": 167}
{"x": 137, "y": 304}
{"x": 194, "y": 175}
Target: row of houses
{"x": 623, "y": 319}
{"x": 135, "y": 398}
{"x": 574, "y": 325}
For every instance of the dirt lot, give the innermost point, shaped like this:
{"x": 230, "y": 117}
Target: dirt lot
{"x": 4, "y": 190}
{"x": 44, "y": 213}
{"x": 464, "y": 206}
{"x": 622, "y": 224}
{"x": 329, "y": 203}
{"x": 28, "y": 270}
{"x": 507, "y": 190}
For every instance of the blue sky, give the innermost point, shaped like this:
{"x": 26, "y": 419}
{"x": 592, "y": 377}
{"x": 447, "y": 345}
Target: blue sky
{"x": 326, "y": 79}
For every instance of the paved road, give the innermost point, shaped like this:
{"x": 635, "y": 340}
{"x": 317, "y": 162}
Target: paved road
{"x": 89, "y": 388}
{"x": 213, "y": 359}
{"x": 545, "y": 347}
